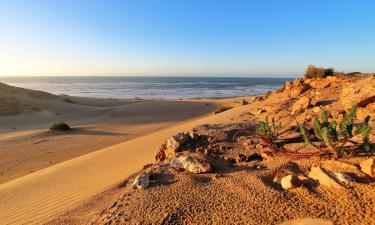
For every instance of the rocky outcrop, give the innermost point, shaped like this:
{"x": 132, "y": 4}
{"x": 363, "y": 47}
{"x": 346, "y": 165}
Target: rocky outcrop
{"x": 368, "y": 167}
{"x": 300, "y": 105}
{"x": 296, "y": 88}
{"x": 191, "y": 164}
{"x": 361, "y": 92}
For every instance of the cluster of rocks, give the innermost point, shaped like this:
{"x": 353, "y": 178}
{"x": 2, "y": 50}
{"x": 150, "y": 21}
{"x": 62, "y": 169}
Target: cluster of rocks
{"x": 331, "y": 173}
{"x": 177, "y": 153}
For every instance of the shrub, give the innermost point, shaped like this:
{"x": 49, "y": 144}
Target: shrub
{"x": 269, "y": 131}
{"x": 335, "y": 140}
{"x": 318, "y": 72}
{"x": 60, "y": 126}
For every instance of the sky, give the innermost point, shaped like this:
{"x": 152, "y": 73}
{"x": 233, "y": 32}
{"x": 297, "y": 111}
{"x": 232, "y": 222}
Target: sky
{"x": 185, "y": 37}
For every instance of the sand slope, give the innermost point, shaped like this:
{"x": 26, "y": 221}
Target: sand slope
{"x": 38, "y": 197}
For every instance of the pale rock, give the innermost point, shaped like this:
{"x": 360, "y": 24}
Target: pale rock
{"x": 174, "y": 144}
{"x": 362, "y": 92}
{"x": 300, "y": 105}
{"x": 191, "y": 164}
{"x": 324, "y": 177}
{"x": 290, "y": 181}
{"x": 368, "y": 167}
{"x": 142, "y": 181}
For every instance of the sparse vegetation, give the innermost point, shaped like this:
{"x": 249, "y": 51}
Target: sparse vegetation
{"x": 318, "y": 72}
{"x": 60, "y": 126}
{"x": 269, "y": 131}
{"x": 336, "y": 140}
{"x": 222, "y": 109}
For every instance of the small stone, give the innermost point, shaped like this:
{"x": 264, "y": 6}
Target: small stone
{"x": 324, "y": 177}
{"x": 290, "y": 181}
{"x": 368, "y": 167}
{"x": 142, "y": 181}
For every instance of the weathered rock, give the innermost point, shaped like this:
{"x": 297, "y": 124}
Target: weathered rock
{"x": 244, "y": 102}
{"x": 174, "y": 143}
{"x": 191, "y": 164}
{"x": 290, "y": 181}
{"x": 142, "y": 181}
{"x": 324, "y": 177}
{"x": 368, "y": 167}
{"x": 358, "y": 92}
{"x": 300, "y": 105}
{"x": 160, "y": 155}
{"x": 241, "y": 158}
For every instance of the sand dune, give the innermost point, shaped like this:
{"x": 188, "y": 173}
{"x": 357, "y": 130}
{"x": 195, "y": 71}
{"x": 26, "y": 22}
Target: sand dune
{"x": 37, "y": 197}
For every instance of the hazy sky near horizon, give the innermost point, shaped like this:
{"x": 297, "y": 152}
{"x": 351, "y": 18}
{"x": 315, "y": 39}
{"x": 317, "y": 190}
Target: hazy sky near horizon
{"x": 185, "y": 37}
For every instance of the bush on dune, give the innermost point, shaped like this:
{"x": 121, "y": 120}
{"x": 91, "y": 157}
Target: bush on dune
{"x": 318, "y": 72}
{"x": 61, "y": 126}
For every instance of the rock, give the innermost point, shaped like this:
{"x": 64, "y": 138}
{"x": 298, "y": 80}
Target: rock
{"x": 368, "y": 167}
{"x": 366, "y": 101}
{"x": 300, "y": 105}
{"x": 290, "y": 181}
{"x": 253, "y": 157}
{"x": 343, "y": 178}
{"x": 267, "y": 155}
{"x": 324, "y": 177}
{"x": 160, "y": 155}
{"x": 289, "y": 168}
{"x": 142, "y": 181}
{"x": 191, "y": 164}
{"x": 244, "y": 102}
{"x": 338, "y": 166}
{"x": 241, "y": 158}
{"x": 358, "y": 92}
{"x": 174, "y": 143}
{"x": 296, "y": 88}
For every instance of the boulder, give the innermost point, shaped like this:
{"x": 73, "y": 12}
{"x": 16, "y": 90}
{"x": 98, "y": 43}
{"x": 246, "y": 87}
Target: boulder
{"x": 191, "y": 164}
{"x": 160, "y": 155}
{"x": 300, "y": 105}
{"x": 290, "y": 181}
{"x": 142, "y": 181}
{"x": 362, "y": 92}
{"x": 324, "y": 177}
{"x": 368, "y": 167}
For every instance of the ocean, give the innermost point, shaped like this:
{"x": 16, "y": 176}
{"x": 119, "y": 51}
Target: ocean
{"x": 148, "y": 87}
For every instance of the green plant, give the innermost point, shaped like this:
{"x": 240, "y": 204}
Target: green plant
{"x": 60, "y": 126}
{"x": 335, "y": 140}
{"x": 269, "y": 131}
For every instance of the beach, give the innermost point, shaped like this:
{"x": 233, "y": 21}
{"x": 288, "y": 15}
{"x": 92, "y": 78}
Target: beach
{"x": 85, "y": 175}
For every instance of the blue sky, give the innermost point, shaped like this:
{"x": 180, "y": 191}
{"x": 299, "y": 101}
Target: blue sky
{"x": 185, "y": 37}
